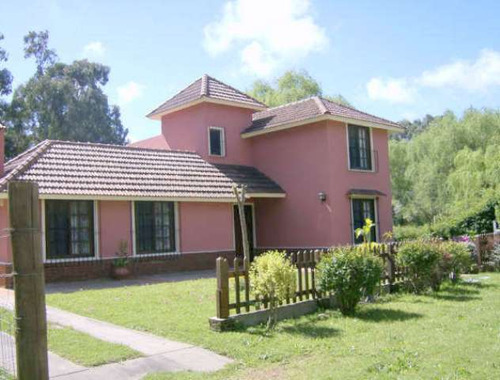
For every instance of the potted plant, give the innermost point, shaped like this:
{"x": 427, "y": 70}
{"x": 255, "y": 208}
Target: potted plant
{"x": 120, "y": 268}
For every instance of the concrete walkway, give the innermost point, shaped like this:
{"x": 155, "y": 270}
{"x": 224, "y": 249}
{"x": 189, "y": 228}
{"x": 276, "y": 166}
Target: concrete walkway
{"x": 160, "y": 354}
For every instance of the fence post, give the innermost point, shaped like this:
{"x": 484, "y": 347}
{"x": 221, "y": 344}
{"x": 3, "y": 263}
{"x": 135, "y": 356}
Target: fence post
{"x": 29, "y": 282}
{"x": 392, "y": 267}
{"x": 222, "y": 269}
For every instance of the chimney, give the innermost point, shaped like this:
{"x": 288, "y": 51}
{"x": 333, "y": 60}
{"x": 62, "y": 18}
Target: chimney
{"x": 2, "y": 148}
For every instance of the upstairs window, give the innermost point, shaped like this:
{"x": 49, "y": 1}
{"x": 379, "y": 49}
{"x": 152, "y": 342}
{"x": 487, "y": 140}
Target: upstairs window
{"x": 216, "y": 142}
{"x": 69, "y": 229}
{"x": 360, "y": 150}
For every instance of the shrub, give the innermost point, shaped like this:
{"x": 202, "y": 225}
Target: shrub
{"x": 455, "y": 259}
{"x": 411, "y": 232}
{"x": 273, "y": 278}
{"x": 477, "y": 220}
{"x": 421, "y": 258}
{"x": 492, "y": 259}
{"x": 349, "y": 272}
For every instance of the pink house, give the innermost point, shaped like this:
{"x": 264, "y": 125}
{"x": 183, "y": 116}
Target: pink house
{"x": 314, "y": 170}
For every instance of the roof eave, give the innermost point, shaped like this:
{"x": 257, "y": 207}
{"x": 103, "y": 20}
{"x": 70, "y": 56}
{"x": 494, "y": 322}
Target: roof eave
{"x": 288, "y": 125}
{"x": 204, "y": 99}
{"x": 4, "y": 195}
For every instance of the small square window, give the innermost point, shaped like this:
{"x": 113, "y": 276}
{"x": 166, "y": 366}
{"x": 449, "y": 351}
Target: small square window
{"x": 216, "y": 141}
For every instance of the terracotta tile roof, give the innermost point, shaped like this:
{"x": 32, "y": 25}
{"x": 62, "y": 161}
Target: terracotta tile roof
{"x": 87, "y": 169}
{"x": 306, "y": 109}
{"x": 210, "y": 88}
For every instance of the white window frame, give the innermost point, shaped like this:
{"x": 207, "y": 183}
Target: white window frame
{"x": 97, "y": 253}
{"x": 222, "y": 141}
{"x": 176, "y": 229}
{"x": 370, "y": 131}
{"x": 377, "y": 223}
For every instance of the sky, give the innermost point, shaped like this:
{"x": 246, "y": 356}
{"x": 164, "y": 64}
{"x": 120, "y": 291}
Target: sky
{"x": 394, "y": 59}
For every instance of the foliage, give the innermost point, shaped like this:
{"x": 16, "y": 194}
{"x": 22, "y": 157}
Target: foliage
{"x": 366, "y": 231}
{"x": 421, "y": 258}
{"x": 455, "y": 259}
{"x": 5, "y": 75}
{"x": 451, "y": 165}
{"x": 60, "y": 101}
{"x": 413, "y": 128}
{"x": 273, "y": 279}
{"x": 477, "y": 220}
{"x": 122, "y": 254}
{"x": 349, "y": 272}
{"x": 37, "y": 45}
{"x": 290, "y": 87}
{"x": 492, "y": 259}
{"x": 411, "y": 232}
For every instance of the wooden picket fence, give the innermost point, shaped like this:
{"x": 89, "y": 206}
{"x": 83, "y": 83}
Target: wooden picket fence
{"x": 237, "y": 299}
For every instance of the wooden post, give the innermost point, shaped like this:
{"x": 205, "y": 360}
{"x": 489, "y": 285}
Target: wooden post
{"x": 240, "y": 193}
{"x": 237, "y": 284}
{"x": 29, "y": 282}
{"x": 222, "y": 296}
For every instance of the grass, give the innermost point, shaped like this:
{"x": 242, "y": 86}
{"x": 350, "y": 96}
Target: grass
{"x": 78, "y": 347}
{"x": 454, "y": 334}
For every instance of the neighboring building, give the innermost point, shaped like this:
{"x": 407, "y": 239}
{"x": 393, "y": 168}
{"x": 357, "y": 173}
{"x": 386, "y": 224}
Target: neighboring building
{"x": 314, "y": 170}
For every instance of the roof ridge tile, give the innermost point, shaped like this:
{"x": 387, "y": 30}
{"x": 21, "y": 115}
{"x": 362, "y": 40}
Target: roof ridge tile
{"x": 321, "y": 105}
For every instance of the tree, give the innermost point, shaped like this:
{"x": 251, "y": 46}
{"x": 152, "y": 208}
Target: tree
{"x": 450, "y": 166}
{"x": 290, "y": 87}
{"x": 61, "y": 101}
{"x": 37, "y": 45}
{"x": 5, "y": 75}
{"x": 414, "y": 128}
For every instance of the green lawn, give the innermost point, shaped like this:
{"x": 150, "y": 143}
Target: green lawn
{"x": 454, "y": 334}
{"x": 78, "y": 347}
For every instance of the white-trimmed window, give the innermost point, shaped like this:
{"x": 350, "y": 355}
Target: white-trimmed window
{"x": 362, "y": 209}
{"x": 360, "y": 149}
{"x": 69, "y": 229}
{"x": 154, "y": 227}
{"x": 216, "y": 143}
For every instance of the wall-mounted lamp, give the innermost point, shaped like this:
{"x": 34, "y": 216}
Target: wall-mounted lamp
{"x": 322, "y": 196}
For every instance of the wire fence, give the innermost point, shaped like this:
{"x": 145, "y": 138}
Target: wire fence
{"x": 7, "y": 329}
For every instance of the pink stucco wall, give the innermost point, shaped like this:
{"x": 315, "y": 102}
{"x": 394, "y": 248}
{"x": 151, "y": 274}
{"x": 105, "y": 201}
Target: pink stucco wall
{"x": 5, "y": 248}
{"x": 155, "y": 142}
{"x": 188, "y": 130}
{"x": 307, "y": 160}
{"x": 206, "y": 226}
{"x": 115, "y": 225}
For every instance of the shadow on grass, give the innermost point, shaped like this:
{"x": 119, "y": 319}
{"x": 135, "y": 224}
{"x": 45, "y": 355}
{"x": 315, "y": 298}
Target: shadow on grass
{"x": 444, "y": 296}
{"x": 385, "y": 315}
{"x": 311, "y": 330}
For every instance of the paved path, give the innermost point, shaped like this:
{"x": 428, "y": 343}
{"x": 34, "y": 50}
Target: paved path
{"x": 160, "y": 354}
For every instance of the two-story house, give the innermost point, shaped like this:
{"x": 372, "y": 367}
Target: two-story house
{"x": 314, "y": 170}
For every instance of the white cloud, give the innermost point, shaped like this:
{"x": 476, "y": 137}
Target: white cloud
{"x": 478, "y": 75}
{"x": 129, "y": 92}
{"x": 266, "y": 33}
{"x": 94, "y": 49}
{"x": 391, "y": 90}
{"x": 472, "y": 76}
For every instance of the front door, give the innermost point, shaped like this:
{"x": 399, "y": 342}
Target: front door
{"x": 238, "y": 241}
